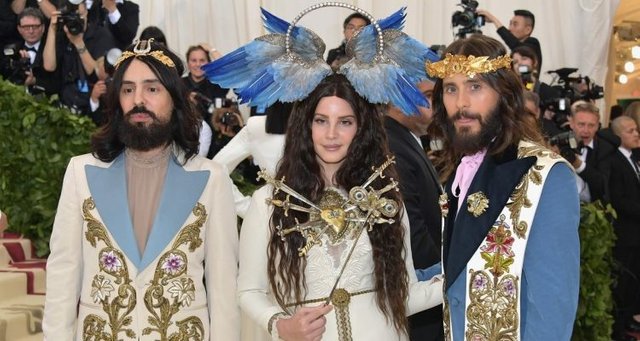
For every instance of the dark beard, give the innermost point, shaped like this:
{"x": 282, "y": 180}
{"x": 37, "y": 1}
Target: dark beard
{"x": 468, "y": 143}
{"x": 137, "y": 136}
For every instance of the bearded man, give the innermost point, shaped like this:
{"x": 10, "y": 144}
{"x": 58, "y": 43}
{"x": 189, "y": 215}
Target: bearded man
{"x": 144, "y": 243}
{"x": 511, "y": 256}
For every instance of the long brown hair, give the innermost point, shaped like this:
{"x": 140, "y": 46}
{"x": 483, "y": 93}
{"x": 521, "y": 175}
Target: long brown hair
{"x": 514, "y": 125}
{"x": 303, "y": 173}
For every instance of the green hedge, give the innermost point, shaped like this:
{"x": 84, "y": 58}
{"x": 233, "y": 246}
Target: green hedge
{"x": 37, "y": 139}
{"x": 594, "y": 320}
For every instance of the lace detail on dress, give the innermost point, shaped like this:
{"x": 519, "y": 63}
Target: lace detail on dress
{"x": 324, "y": 265}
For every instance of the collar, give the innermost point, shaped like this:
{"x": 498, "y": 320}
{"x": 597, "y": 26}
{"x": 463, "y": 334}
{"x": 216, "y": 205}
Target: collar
{"x": 35, "y": 46}
{"x": 626, "y": 152}
{"x": 89, "y": 3}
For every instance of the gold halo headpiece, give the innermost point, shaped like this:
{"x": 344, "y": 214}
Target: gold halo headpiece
{"x": 466, "y": 65}
{"x": 143, "y": 48}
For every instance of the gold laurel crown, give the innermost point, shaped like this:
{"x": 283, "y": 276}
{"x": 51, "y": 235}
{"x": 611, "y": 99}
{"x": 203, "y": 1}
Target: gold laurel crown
{"x": 466, "y": 65}
{"x": 143, "y": 48}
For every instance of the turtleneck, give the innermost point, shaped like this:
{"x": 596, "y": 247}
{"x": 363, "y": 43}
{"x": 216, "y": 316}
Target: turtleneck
{"x": 145, "y": 181}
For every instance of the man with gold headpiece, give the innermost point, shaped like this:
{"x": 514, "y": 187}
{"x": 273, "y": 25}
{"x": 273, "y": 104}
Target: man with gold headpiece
{"x": 510, "y": 241}
{"x": 144, "y": 243}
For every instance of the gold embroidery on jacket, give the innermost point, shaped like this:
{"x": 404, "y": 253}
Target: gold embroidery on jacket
{"x": 170, "y": 276}
{"x": 111, "y": 261}
{"x": 492, "y": 313}
{"x": 519, "y": 196}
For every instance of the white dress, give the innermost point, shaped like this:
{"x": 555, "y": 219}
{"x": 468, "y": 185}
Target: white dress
{"x": 323, "y": 266}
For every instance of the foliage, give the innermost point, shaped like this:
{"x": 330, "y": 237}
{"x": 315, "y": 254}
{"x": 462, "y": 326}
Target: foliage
{"x": 37, "y": 139}
{"x": 594, "y": 319}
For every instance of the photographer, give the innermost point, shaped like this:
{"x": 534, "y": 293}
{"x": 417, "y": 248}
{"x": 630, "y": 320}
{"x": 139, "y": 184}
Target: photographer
{"x": 350, "y": 26}
{"x": 71, "y": 48}
{"x": 120, "y": 17}
{"x": 226, "y": 123}
{"x": 205, "y": 95}
{"x": 519, "y": 32}
{"x": 584, "y": 121}
{"x": 22, "y": 63}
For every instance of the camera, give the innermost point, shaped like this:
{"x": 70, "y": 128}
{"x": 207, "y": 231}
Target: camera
{"x": 468, "y": 19}
{"x": 72, "y": 20}
{"x": 526, "y": 76}
{"x": 570, "y": 89}
{"x": 16, "y": 66}
{"x": 210, "y": 104}
{"x": 567, "y": 144}
{"x": 229, "y": 119}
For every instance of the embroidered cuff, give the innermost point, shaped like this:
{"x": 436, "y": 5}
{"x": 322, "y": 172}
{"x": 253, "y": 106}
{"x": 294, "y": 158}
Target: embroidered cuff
{"x": 271, "y": 327}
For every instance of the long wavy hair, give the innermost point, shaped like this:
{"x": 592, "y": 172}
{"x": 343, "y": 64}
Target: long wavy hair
{"x": 514, "y": 124}
{"x": 303, "y": 173}
{"x": 105, "y": 142}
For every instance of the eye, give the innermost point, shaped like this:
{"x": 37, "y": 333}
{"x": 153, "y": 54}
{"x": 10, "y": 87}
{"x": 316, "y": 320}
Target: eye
{"x": 346, "y": 122}
{"x": 127, "y": 90}
{"x": 450, "y": 89}
{"x": 319, "y": 120}
{"x": 475, "y": 86}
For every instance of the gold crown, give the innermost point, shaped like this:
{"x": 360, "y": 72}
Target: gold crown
{"x": 143, "y": 48}
{"x": 466, "y": 65}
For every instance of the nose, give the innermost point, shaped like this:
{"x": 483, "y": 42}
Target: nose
{"x": 332, "y": 130}
{"x": 462, "y": 100}
{"x": 138, "y": 99}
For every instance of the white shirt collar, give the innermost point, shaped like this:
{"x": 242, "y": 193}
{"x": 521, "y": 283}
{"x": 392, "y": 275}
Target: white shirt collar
{"x": 89, "y": 3}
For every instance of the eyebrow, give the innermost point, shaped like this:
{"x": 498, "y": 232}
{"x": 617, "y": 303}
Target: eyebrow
{"x": 345, "y": 116}
{"x": 146, "y": 81}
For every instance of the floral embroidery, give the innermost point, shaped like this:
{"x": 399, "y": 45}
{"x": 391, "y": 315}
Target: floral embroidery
{"x": 119, "y": 307}
{"x": 170, "y": 276}
{"x": 183, "y": 291}
{"x": 110, "y": 261}
{"x": 492, "y": 313}
{"x": 173, "y": 264}
{"x": 101, "y": 288}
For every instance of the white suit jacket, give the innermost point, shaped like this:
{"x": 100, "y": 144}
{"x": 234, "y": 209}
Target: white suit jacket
{"x": 266, "y": 150}
{"x": 183, "y": 285}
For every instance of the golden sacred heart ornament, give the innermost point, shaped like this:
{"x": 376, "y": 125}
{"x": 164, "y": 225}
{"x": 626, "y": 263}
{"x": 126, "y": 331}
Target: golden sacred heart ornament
{"x": 334, "y": 216}
{"x": 477, "y": 203}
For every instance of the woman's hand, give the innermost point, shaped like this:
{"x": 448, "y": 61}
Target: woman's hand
{"x": 307, "y": 324}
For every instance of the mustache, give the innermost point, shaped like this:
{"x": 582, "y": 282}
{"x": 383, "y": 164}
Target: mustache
{"x": 464, "y": 114}
{"x": 141, "y": 110}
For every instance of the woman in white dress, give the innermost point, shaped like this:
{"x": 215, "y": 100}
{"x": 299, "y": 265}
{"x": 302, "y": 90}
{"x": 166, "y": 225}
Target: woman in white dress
{"x": 324, "y": 250}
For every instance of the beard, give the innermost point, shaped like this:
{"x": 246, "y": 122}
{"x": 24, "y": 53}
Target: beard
{"x": 139, "y": 136}
{"x": 465, "y": 141}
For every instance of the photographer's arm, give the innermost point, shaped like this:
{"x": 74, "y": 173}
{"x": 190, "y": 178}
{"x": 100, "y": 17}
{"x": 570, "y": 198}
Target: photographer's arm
{"x": 88, "y": 63}
{"x": 17, "y": 6}
{"x": 49, "y": 61}
{"x": 46, "y": 7}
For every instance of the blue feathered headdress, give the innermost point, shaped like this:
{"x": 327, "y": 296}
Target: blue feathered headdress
{"x": 287, "y": 64}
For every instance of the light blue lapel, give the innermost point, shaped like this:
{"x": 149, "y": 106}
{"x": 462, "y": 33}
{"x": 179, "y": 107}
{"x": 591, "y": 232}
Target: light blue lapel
{"x": 181, "y": 191}
{"x": 108, "y": 187}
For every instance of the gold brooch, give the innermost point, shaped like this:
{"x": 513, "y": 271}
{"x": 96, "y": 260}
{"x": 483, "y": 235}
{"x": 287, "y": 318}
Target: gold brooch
{"x": 443, "y": 201}
{"x": 477, "y": 203}
{"x": 143, "y": 48}
{"x": 466, "y": 65}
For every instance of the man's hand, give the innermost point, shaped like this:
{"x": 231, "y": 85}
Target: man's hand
{"x": 307, "y": 324}
{"x": 99, "y": 89}
{"x": 109, "y": 5}
{"x": 489, "y": 17}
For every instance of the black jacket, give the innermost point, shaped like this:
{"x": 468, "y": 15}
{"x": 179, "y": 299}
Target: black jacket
{"x": 420, "y": 191}
{"x": 513, "y": 42}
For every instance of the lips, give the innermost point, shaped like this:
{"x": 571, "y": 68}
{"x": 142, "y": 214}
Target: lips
{"x": 332, "y": 147}
{"x": 140, "y": 117}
